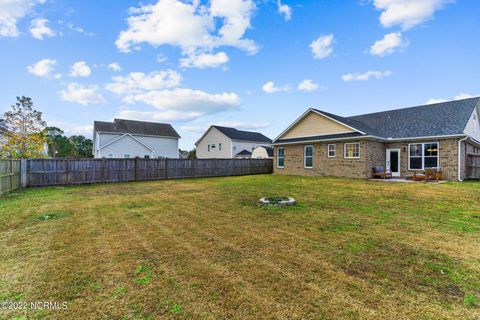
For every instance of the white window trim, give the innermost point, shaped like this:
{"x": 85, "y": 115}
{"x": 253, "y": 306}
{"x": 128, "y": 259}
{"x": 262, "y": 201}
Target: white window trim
{"x": 305, "y": 156}
{"x": 334, "y": 150}
{"x": 278, "y": 166}
{"x": 125, "y": 156}
{"x": 423, "y": 155}
{"x": 345, "y": 150}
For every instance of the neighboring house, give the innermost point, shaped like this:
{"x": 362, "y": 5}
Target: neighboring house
{"x": 244, "y": 154}
{"x": 131, "y": 139}
{"x": 262, "y": 152}
{"x": 403, "y": 141}
{"x": 227, "y": 143}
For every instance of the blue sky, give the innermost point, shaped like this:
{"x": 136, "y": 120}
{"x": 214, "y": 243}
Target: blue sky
{"x": 255, "y": 65}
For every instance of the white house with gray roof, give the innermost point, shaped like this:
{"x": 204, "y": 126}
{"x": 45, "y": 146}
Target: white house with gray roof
{"x": 227, "y": 143}
{"x": 131, "y": 139}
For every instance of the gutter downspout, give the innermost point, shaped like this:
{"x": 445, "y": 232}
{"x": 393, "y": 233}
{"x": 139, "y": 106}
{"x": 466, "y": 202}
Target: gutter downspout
{"x": 459, "y": 158}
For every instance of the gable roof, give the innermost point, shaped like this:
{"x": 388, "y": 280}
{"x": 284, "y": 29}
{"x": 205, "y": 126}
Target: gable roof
{"x": 136, "y": 127}
{"x": 439, "y": 119}
{"x": 235, "y": 134}
{"x": 240, "y": 135}
{"x": 244, "y": 153}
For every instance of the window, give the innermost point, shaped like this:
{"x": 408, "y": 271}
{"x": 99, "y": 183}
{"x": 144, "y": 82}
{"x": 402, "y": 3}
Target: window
{"x": 430, "y": 155}
{"x": 126, "y": 155}
{"x": 308, "y": 156}
{"x": 352, "y": 150}
{"x": 110, "y": 155}
{"x": 208, "y": 148}
{"x": 234, "y": 148}
{"x": 147, "y": 156}
{"x": 280, "y": 158}
{"x": 422, "y": 155}
{"x": 219, "y": 147}
{"x": 331, "y": 150}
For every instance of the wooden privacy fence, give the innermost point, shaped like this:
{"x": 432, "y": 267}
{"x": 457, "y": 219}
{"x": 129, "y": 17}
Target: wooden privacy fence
{"x": 473, "y": 166}
{"x": 54, "y": 172}
{"x": 9, "y": 175}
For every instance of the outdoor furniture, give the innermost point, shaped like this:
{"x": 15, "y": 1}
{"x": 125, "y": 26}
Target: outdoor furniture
{"x": 379, "y": 172}
{"x": 418, "y": 176}
{"x": 433, "y": 175}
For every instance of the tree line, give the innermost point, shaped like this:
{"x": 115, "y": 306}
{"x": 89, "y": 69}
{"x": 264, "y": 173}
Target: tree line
{"x": 24, "y": 134}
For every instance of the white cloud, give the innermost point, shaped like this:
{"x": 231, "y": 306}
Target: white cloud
{"x": 11, "y": 11}
{"x": 115, "y": 66}
{"x": 366, "y": 76}
{"x": 42, "y": 68}
{"x": 308, "y": 85}
{"x": 193, "y": 27}
{"x": 407, "y": 13}
{"x": 204, "y": 60}
{"x": 270, "y": 87}
{"x": 322, "y": 47}
{"x": 161, "y": 58}
{"x": 433, "y": 101}
{"x": 80, "y": 69}
{"x": 73, "y": 27}
{"x": 82, "y": 94}
{"x": 460, "y": 96}
{"x": 388, "y": 44}
{"x": 284, "y": 9}
{"x": 136, "y": 82}
{"x": 179, "y": 104}
{"x": 39, "y": 29}
{"x": 71, "y": 129}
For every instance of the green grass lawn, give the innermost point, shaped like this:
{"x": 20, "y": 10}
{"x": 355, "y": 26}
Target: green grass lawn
{"x": 204, "y": 249}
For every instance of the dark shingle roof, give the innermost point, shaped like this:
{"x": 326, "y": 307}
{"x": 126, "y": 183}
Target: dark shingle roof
{"x": 136, "y": 127}
{"x": 446, "y": 118}
{"x": 324, "y": 137}
{"x": 235, "y": 134}
{"x": 244, "y": 153}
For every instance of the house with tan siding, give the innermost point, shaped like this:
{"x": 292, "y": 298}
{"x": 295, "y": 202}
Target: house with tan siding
{"x": 220, "y": 142}
{"x": 403, "y": 141}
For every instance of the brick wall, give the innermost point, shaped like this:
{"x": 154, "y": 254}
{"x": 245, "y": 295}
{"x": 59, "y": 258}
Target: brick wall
{"x": 447, "y": 153}
{"x": 325, "y": 166}
{"x": 371, "y": 153}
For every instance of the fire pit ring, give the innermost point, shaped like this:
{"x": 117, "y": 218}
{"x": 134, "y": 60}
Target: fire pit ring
{"x": 277, "y": 201}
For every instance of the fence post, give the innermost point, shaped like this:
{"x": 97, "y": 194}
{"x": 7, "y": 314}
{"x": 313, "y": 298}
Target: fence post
{"x": 68, "y": 172}
{"x": 11, "y": 175}
{"x": 166, "y": 168}
{"x": 23, "y": 172}
{"x": 135, "y": 164}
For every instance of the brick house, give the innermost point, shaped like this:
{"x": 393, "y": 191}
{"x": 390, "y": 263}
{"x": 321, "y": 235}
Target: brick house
{"x": 403, "y": 141}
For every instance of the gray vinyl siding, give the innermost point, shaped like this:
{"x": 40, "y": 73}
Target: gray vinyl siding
{"x": 146, "y": 145}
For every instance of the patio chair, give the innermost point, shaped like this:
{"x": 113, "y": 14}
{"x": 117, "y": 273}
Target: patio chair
{"x": 433, "y": 175}
{"x": 380, "y": 172}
